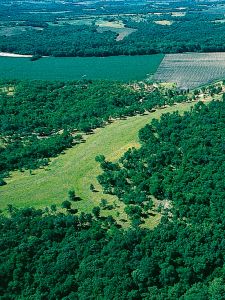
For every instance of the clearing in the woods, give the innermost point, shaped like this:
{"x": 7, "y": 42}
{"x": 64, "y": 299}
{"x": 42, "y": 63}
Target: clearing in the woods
{"x": 77, "y": 169}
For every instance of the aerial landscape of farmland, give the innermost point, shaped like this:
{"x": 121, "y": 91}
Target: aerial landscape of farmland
{"x": 112, "y": 139}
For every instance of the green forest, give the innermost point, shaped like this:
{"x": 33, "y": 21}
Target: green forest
{"x": 194, "y": 33}
{"x": 64, "y": 255}
{"x": 50, "y": 29}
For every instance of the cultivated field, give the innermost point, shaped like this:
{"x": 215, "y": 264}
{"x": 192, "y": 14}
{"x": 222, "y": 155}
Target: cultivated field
{"x": 110, "y": 24}
{"x": 191, "y": 70}
{"x": 121, "y": 68}
{"x": 122, "y": 32}
{"x": 164, "y": 22}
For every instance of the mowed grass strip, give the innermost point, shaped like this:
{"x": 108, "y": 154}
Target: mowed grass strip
{"x": 77, "y": 168}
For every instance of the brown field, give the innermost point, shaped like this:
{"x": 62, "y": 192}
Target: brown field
{"x": 191, "y": 70}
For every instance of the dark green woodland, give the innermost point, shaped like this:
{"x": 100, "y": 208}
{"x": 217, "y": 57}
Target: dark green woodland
{"x": 61, "y": 29}
{"x": 55, "y": 255}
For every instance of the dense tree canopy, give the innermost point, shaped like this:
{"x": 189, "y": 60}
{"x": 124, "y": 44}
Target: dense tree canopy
{"x": 181, "y": 160}
{"x": 63, "y": 256}
{"x": 197, "y": 34}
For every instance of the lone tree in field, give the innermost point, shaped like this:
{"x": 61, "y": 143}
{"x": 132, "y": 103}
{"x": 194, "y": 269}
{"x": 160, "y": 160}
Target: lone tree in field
{"x": 2, "y": 182}
{"x": 100, "y": 158}
{"x": 66, "y": 204}
{"x": 71, "y": 195}
{"x": 92, "y": 188}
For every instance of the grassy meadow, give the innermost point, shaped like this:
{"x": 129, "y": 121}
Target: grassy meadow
{"x": 77, "y": 169}
{"x": 121, "y": 68}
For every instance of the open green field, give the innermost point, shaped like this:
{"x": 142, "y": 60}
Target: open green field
{"x": 121, "y": 68}
{"x": 77, "y": 169}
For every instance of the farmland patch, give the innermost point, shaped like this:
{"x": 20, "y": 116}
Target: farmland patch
{"x": 164, "y": 22}
{"x": 111, "y": 24}
{"x": 8, "y": 90}
{"x": 10, "y": 31}
{"x": 125, "y": 32}
{"x": 121, "y": 32}
{"x": 78, "y": 22}
{"x": 114, "y": 26}
{"x": 219, "y": 21}
{"x": 121, "y": 68}
{"x": 178, "y": 14}
{"x": 191, "y": 70}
